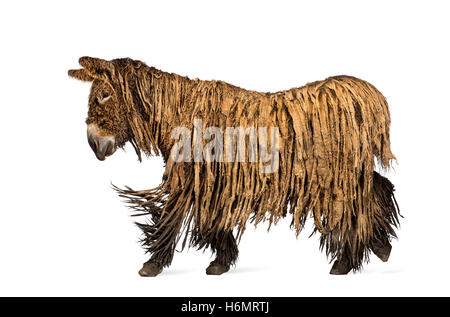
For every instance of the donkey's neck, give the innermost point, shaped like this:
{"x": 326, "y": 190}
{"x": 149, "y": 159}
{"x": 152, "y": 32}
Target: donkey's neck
{"x": 167, "y": 101}
{"x": 162, "y": 102}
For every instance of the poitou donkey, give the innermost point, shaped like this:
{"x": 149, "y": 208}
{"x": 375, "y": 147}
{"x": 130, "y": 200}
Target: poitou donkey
{"x": 329, "y": 134}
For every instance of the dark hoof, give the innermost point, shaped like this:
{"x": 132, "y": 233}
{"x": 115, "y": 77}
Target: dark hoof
{"x": 340, "y": 267}
{"x": 150, "y": 269}
{"x": 215, "y": 268}
{"x": 383, "y": 252}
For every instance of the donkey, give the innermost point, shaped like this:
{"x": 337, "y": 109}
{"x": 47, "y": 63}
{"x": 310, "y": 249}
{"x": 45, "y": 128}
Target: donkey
{"x": 327, "y": 136}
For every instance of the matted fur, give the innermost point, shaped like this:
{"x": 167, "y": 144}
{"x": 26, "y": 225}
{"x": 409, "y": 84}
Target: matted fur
{"x": 331, "y": 131}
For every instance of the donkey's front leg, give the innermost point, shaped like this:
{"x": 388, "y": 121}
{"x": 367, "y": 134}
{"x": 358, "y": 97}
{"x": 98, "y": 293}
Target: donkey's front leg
{"x": 160, "y": 240}
{"x": 226, "y": 250}
{"x": 150, "y": 269}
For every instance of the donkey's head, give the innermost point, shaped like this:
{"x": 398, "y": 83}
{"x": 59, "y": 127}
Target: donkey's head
{"x": 107, "y": 124}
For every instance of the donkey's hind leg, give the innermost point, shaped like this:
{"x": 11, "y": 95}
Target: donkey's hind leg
{"x": 341, "y": 266}
{"x": 381, "y": 248}
{"x": 385, "y": 218}
{"x": 347, "y": 249}
{"x": 346, "y": 261}
{"x": 352, "y": 256}
{"x": 225, "y": 247}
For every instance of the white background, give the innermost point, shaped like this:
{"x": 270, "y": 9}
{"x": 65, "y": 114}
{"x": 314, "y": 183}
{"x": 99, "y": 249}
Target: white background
{"x": 63, "y": 231}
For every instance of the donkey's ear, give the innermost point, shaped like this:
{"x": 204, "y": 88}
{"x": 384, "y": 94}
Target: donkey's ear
{"x": 80, "y": 74}
{"x": 96, "y": 65}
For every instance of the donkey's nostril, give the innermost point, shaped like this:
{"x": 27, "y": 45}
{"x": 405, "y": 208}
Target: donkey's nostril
{"x": 105, "y": 147}
{"x": 92, "y": 142}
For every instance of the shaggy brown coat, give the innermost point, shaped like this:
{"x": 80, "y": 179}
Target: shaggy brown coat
{"x": 330, "y": 133}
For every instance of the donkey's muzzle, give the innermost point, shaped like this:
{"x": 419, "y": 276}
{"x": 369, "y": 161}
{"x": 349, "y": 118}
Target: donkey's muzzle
{"x": 102, "y": 146}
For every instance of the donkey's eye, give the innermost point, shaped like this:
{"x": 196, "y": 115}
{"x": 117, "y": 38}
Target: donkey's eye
{"x": 105, "y": 97}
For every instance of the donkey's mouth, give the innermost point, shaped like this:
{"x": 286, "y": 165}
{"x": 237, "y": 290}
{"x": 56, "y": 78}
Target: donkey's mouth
{"x": 102, "y": 146}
